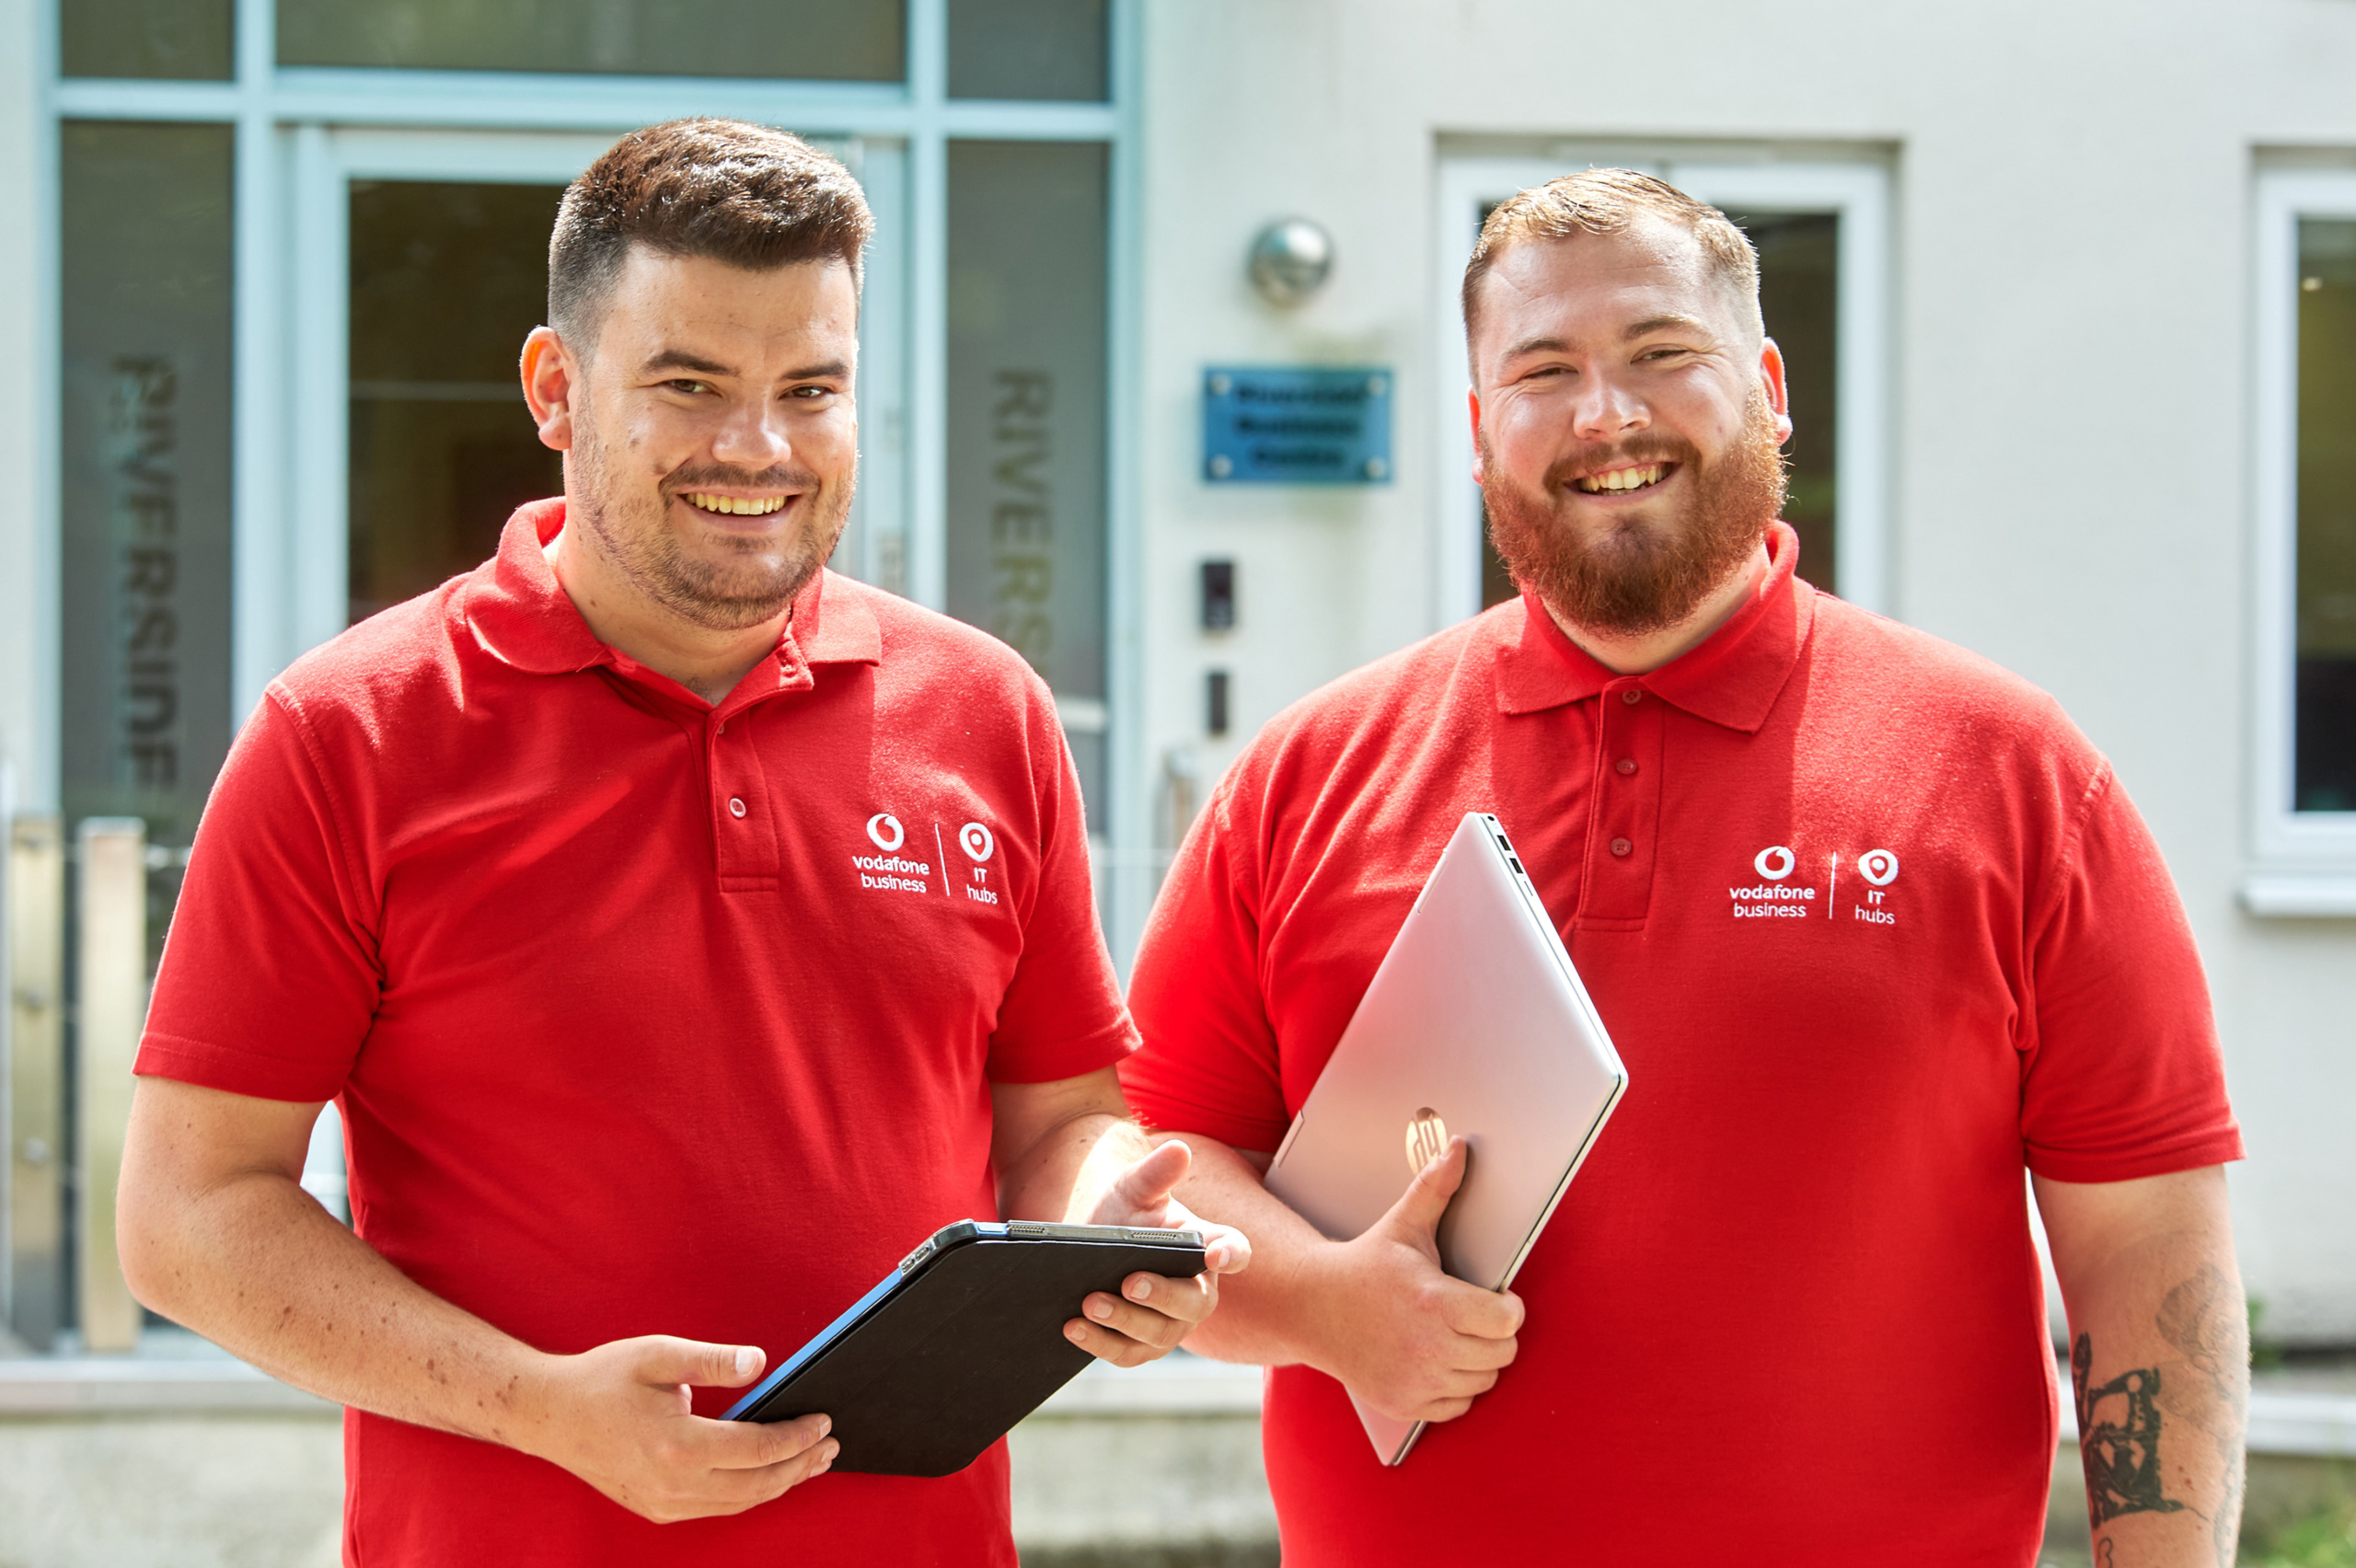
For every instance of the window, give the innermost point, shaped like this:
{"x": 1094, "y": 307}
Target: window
{"x": 298, "y": 244}
{"x": 2304, "y": 764}
{"x": 1820, "y": 230}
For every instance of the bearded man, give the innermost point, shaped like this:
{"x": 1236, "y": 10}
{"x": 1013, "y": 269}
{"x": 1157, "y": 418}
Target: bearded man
{"x": 1873, "y": 927}
{"x": 616, "y": 893}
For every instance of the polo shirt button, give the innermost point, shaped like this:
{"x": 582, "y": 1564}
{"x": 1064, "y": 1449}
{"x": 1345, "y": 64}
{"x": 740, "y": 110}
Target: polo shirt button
{"x": 1631, "y": 696}
{"x": 1621, "y": 846}
{"x": 1626, "y": 764}
{"x": 735, "y": 806}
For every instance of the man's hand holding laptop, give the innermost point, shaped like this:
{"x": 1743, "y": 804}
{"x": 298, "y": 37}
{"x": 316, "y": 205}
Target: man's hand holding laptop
{"x": 1376, "y": 1313}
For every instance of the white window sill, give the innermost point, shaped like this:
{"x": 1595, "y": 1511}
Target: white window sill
{"x": 95, "y": 1385}
{"x": 1179, "y": 1384}
{"x": 2323, "y": 895}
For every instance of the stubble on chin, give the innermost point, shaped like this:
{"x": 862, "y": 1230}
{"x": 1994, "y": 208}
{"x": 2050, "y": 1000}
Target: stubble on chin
{"x": 1642, "y": 575}
{"x": 753, "y": 584}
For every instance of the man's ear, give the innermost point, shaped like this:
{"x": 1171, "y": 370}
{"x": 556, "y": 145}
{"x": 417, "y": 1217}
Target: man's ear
{"x": 1472, "y": 406}
{"x": 552, "y": 380}
{"x": 1770, "y": 377}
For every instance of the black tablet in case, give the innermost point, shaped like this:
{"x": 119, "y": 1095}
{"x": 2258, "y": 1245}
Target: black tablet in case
{"x": 960, "y": 1342}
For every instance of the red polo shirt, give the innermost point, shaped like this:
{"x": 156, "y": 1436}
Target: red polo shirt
{"x": 1872, "y": 926}
{"x": 644, "y": 1016}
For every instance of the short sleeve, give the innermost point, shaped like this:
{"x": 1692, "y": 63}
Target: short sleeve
{"x": 1209, "y": 1064}
{"x": 2123, "y": 1077}
{"x": 269, "y": 979}
{"x": 1062, "y": 1014}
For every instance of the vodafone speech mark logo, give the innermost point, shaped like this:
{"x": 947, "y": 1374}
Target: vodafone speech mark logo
{"x": 887, "y": 833}
{"x": 1775, "y": 862}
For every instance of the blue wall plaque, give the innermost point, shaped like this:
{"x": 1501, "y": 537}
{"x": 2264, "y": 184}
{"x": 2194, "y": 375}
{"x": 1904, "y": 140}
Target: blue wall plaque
{"x": 1297, "y": 425}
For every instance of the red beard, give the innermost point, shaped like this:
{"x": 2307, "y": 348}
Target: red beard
{"x": 1640, "y": 574}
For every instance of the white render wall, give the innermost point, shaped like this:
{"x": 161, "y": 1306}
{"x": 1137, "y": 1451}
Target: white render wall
{"x": 2071, "y": 225}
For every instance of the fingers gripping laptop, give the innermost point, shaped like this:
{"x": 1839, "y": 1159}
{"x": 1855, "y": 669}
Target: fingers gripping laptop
{"x": 1475, "y": 1023}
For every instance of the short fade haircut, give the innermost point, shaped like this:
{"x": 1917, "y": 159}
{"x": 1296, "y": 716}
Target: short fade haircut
{"x": 747, "y": 195}
{"x": 1609, "y": 201}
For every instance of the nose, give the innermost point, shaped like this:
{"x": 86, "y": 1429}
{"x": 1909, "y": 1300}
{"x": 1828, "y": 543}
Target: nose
{"x": 752, "y": 436}
{"x": 1605, "y": 409}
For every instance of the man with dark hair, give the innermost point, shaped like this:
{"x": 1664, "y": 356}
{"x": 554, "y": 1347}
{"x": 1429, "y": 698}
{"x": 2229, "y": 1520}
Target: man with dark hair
{"x": 1873, "y": 927}
{"x": 684, "y": 931}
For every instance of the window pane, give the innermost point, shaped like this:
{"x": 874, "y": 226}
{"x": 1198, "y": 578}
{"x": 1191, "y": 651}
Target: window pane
{"x": 187, "y": 39}
{"x": 1026, "y": 415}
{"x": 1028, "y": 48}
{"x": 834, "y": 40}
{"x": 145, "y": 286}
{"x": 2326, "y": 765}
{"x": 447, "y": 280}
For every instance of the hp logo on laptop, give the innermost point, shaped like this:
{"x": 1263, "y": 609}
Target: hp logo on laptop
{"x": 1427, "y": 1140}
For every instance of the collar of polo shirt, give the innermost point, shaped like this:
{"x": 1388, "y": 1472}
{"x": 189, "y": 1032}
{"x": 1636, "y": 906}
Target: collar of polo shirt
{"x": 522, "y": 617}
{"x": 1731, "y": 679}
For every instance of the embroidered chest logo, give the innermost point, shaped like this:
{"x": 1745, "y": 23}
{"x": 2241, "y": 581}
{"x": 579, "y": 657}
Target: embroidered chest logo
{"x": 1777, "y": 896}
{"x": 892, "y": 871}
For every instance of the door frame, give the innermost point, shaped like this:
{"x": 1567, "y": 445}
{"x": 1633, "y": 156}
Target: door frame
{"x": 1856, "y": 191}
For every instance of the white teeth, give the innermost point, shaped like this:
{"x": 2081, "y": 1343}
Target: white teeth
{"x": 735, "y": 505}
{"x": 1621, "y": 480}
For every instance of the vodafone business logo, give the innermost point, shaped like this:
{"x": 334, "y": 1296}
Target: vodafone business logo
{"x": 1777, "y": 896}
{"x": 891, "y": 872}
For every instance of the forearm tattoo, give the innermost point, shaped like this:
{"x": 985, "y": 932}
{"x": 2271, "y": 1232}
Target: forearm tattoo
{"x": 2118, "y": 1437}
{"x": 2207, "y": 1319}
{"x": 2120, "y": 1422}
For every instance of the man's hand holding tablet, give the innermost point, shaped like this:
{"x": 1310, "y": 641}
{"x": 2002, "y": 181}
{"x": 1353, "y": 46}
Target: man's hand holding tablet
{"x": 1159, "y": 1311}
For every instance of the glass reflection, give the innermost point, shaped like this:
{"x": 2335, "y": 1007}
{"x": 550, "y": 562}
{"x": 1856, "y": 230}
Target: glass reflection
{"x": 447, "y": 280}
{"x": 831, "y": 40}
{"x": 1026, "y": 504}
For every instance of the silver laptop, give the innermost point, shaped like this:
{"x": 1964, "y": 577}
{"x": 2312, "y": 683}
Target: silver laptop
{"x": 1475, "y": 1023}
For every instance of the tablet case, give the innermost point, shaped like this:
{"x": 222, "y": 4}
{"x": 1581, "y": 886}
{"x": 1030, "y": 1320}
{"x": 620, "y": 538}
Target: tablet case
{"x": 960, "y": 1342}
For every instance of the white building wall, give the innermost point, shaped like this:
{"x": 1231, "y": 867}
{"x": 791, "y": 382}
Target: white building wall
{"x": 2072, "y": 344}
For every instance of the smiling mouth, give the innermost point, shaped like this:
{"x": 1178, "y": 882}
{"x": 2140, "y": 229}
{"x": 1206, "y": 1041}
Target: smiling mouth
{"x": 1620, "y": 481}
{"x": 735, "y": 505}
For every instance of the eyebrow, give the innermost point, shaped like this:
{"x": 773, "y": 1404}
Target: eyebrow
{"x": 680, "y": 359}
{"x": 1666, "y": 321}
{"x": 1669, "y": 321}
{"x": 1539, "y": 345}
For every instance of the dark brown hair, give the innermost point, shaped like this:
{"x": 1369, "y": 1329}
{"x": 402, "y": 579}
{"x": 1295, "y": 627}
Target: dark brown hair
{"x": 1606, "y": 201}
{"x": 748, "y": 195}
